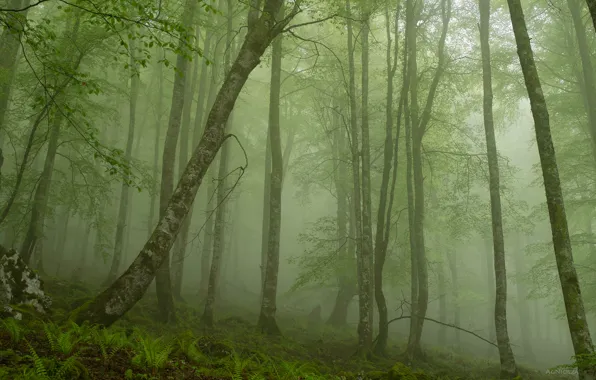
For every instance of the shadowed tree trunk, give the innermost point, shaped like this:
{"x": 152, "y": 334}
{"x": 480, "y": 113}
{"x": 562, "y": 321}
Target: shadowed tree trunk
{"x": 455, "y": 302}
{"x": 383, "y": 212}
{"x": 366, "y": 276}
{"x": 123, "y": 209}
{"x": 508, "y": 366}
{"x": 574, "y": 305}
{"x": 419, "y": 127}
{"x": 267, "y": 323}
{"x": 114, "y": 302}
{"x": 490, "y": 276}
{"x": 163, "y": 280}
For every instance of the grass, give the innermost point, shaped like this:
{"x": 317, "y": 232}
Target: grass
{"x": 137, "y": 347}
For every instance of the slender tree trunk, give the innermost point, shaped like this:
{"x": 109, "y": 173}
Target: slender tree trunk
{"x": 158, "y": 121}
{"x": 124, "y": 206}
{"x": 59, "y": 247}
{"x": 411, "y": 69}
{"x": 163, "y": 281}
{"x": 383, "y": 214}
{"x": 222, "y": 193}
{"x": 40, "y": 199}
{"x": 180, "y": 246}
{"x": 574, "y": 305}
{"x": 491, "y": 290}
{"x": 267, "y": 322}
{"x": 522, "y": 302}
{"x": 442, "y": 284}
{"x": 266, "y": 212}
{"x": 508, "y": 366}
{"x": 452, "y": 258}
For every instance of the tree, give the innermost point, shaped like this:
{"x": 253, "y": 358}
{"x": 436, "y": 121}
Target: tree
{"x": 107, "y": 307}
{"x": 508, "y": 367}
{"x": 267, "y": 321}
{"x": 574, "y": 305}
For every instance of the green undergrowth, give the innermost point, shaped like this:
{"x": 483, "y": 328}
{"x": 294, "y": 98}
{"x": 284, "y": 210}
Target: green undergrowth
{"x": 138, "y": 347}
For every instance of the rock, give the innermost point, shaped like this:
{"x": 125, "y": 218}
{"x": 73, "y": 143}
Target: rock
{"x": 19, "y": 285}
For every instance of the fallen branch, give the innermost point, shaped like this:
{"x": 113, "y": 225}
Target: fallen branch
{"x": 441, "y": 323}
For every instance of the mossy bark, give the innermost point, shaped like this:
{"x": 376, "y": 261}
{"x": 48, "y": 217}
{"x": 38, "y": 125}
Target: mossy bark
{"x": 574, "y": 305}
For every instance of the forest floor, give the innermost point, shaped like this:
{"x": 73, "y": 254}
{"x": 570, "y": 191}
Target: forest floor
{"x": 138, "y": 347}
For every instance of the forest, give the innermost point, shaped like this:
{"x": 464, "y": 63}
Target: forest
{"x": 300, "y": 189}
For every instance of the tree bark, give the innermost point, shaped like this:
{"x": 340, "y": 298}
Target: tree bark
{"x": 383, "y": 213}
{"x": 114, "y": 302}
{"x": 267, "y": 322}
{"x": 158, "y": 121}
{"x": 574, "y": 305}
{"x": 508, "y": 366}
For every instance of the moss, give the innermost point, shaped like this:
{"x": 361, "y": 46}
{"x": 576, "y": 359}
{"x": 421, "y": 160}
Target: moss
{"x": 376, "y": 375}
{"x": 401, "y": 372}
{"x": 75, "y": 314}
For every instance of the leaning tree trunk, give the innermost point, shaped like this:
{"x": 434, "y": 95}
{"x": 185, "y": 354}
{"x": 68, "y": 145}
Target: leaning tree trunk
{"x": 180, "y": 246}
{"x": 163, "y": 280}
{"x": 123, "y": 209}
{"x": 267, "y": 322}
{"x": 383, "y": 213}
{"x": 114, "y": 302}
{"x": 574, "y": 305}
{"x": 508, "y": 366}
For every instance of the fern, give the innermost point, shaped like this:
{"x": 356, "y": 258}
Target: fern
{"x": 154, "y": 353}
{"x": 14, "y": 330}
{"x": 109, "y": 343}
{"x": 38, "y": 366}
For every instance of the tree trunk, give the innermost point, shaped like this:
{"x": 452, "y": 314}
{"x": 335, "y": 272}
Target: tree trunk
{"x": 180, "y": 246}
{"x": 123, "y": 209}
{"x": 40, "y": 199}
{"x": 383, "y": 213}
{"x": 267, "y": 322}
{"x": 159, "y": 112}
{"x": 10, "y": 43}
{"x": 163, "y": 281}
{"x": 508, "y": 366}
{"x": 452, "y": 258}
{"x": 574, "y": 305}
{"x": 490, "y": 275}
{"x": 221, "y": 206}
{"x": 522, "y": 302}
{"x": 266, "y": 206}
